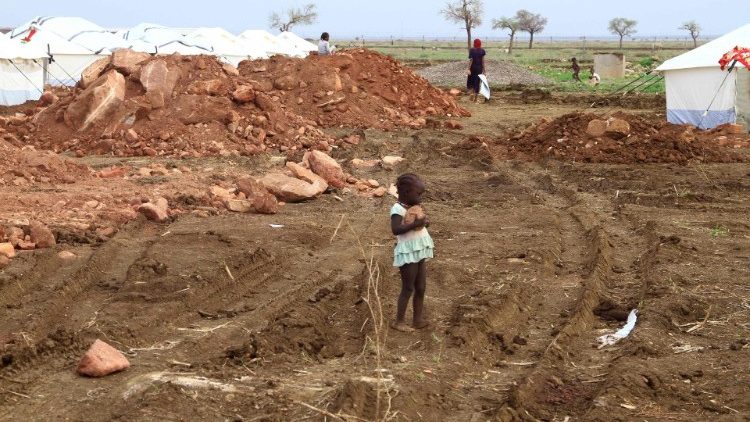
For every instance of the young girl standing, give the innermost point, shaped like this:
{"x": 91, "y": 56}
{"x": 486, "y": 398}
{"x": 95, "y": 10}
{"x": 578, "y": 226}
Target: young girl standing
{"x": 412, "y": 251}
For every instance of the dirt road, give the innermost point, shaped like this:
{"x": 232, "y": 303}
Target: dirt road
{"x": 229, "y": 318}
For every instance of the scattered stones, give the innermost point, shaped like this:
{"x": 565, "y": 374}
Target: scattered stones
{"x": 101, "y": 360}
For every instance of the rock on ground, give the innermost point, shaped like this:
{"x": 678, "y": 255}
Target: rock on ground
{"x": 93, "y": 71}
{"x": 326, "y": 167}
{"x": 97, "y": 102}
{"x": 596, "y": 128}
{"x": 101, "y": 360}
{"x": 42, "y": 236}
{"x": 307, "y": 175}
{"x": 153, "y": 212}
{"x": 7, "y": 250}
{"x": 289, "y": 189}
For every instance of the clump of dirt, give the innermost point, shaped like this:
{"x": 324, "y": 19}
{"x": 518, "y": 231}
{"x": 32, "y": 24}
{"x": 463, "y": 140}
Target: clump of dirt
{"x": 359, "y": 88}
{"x": 637, "y": 139}
{"x": 21, "y": 166}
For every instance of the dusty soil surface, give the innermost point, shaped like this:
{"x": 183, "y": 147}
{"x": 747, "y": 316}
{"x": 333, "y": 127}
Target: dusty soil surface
{"x": 228, "y": 318}
{"x": 453, "y": 74}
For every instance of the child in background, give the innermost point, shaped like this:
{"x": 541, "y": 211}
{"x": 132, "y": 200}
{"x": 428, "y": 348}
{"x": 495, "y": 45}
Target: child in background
{"x": 576, "y": 70}
{"x": 413, "y": 249}
{"x": 595, "y": 78}
{"x": 324, "y": 45}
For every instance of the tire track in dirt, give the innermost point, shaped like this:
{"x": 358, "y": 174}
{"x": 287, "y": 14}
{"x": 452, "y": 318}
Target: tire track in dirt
{"x": 551, "y": 388}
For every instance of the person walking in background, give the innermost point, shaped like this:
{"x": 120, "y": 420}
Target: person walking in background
{"x": 476, "y": 68}
{"x": 576, "y": 70}
{"x": 324, "y": 45}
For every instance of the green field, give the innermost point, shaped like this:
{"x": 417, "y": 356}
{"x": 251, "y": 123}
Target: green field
{"x": 550, "y": 59}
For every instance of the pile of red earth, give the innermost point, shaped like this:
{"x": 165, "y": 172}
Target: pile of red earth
{"x": 21, "y": 165}
{"x": 622, "y": 138}
{"x": 134, "y": 104}
{"x": 357, "y": 88}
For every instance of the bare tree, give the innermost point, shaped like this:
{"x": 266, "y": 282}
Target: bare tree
{"x": 695, "y": 30}
{"x": 466, "y": 12}
{"x": 531, "y": 23}
{"x": 511, "y": 24}
{"x": 300, "y": 16}
{"x": 622, "y": 27}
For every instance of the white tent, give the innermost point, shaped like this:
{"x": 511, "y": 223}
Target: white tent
{"x": 299, "y": 43}
{"x": 700, "y": 93}
{"x": 226, "y": 46}
{"x": 269, "y": 44}
{"x": 67, "y": 59}
{"x": 84, "y": 33}
{"x": 21, "y": 79}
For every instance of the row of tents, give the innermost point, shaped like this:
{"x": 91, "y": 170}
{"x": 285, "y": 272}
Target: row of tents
{"x": 55, "y": 50}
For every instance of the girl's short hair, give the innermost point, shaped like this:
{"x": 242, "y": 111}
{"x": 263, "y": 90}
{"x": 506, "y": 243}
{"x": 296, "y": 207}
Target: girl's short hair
{"x": 405, "y": 181}
{"x": 324, "y": 36}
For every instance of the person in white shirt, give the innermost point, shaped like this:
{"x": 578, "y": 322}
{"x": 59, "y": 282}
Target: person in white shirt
{"x": 594, "y": 79}
{"x": 324, "y": 46}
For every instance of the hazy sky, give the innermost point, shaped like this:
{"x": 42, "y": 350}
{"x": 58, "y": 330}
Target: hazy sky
{"x": 408, "y": 18}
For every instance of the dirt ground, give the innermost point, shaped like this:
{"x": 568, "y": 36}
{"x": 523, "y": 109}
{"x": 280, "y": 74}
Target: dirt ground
{"x": 226, "y": 318}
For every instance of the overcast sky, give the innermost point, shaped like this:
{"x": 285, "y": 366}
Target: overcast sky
{"x": 399, "y": 18}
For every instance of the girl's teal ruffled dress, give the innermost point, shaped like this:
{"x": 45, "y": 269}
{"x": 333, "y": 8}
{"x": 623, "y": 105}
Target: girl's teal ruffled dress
{"x": 412, "y": 247}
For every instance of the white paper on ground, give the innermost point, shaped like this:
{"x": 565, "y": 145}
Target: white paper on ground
{"x": 610, "y": 339}
{"x": 484, "y": 87}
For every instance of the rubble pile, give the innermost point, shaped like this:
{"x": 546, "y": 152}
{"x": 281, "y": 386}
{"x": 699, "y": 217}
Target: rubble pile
{"x": 357, "y": 88}
{"x": 622, "y": 138}
{"x": 134, "y": 104}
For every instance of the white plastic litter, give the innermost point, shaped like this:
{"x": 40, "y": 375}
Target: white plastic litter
{"x": 610, "y": 339}
{"x": 484, "y": 87}
{"x": 277, "y": 226}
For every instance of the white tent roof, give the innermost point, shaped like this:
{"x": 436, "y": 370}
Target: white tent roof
{"x": 84, "y": 33}
{"x": 221, "y": 42}
{"x": 299, "y": 42}
{"x": 268, "y": 43}
{"x": 10, "y": 49}
{"x": 708, "y": 54}
{"x": 50, "y": 42}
